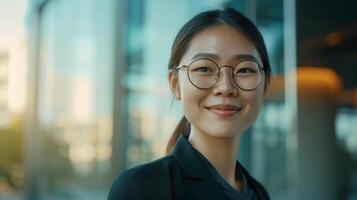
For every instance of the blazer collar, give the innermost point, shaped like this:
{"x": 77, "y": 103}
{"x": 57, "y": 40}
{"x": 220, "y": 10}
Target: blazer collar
{"x": 202, "y": 181}
{"x": 200, "y": 185}
{"x": 189, "y": 159}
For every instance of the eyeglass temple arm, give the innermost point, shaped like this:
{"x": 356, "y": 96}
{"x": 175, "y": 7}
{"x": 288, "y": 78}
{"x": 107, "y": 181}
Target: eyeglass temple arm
{"x": 182, "y": 66}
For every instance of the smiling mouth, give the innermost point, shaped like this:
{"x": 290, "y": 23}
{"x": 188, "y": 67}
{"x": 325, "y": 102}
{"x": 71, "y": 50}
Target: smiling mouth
{"x": 224, "y": 110}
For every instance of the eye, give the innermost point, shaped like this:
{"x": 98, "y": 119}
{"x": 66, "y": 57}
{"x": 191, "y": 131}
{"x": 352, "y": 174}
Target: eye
{"x": 203, "y": 69}
{"x": 246, "y": 70}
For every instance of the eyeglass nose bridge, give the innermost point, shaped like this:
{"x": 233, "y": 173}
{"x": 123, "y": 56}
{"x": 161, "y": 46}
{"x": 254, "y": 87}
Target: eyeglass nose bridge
{"x": 225, "y": 66}
{"x": 219, "y": 74}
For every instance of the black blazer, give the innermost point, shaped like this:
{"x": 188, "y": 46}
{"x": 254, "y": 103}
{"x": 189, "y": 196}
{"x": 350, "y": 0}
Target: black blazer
{"x": 181, "y": 175}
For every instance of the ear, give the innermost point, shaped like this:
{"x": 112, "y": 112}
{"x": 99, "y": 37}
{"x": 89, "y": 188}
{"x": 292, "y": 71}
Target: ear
{"x": 174, "y": 85}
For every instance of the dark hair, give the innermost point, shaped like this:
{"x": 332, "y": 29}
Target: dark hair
{"x": 228, "y": 16}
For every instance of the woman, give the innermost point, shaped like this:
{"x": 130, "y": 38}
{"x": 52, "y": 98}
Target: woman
{"x": 219, "y": 70}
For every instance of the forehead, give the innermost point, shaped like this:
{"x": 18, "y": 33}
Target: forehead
{"x": 221, "y": 40}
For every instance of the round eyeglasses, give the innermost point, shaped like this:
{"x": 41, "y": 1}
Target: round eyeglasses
{"x": 204, "y": 73}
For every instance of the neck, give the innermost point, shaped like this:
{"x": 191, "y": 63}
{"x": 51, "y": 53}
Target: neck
{"x": 221, "y": 153}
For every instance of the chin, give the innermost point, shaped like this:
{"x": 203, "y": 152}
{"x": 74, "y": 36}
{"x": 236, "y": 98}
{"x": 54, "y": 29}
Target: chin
{"x": 223, "y": 134}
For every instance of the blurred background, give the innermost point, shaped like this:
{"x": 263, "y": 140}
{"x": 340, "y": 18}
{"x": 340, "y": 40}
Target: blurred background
{"x": 84, "y": 95}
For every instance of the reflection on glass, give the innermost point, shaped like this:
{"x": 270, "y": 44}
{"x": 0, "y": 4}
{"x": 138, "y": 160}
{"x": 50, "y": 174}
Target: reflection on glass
{"x": 346, "y": 130}
{"x": 75, "y": 99}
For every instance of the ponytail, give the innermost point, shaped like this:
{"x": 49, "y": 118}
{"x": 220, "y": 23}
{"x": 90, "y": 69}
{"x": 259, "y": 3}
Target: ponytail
{"x": 183, "y": 128}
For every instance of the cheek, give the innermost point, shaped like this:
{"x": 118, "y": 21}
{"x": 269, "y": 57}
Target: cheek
{"x": 191, "y": 98}
{"x": 253, "y": 105}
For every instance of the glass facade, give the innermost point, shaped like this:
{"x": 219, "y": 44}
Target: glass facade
{"x": 74, "y": 100}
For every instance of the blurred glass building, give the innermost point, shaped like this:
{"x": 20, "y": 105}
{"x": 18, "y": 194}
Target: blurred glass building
{"x": 98, "y": 99}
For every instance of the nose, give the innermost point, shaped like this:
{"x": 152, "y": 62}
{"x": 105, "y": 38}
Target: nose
{"x": 225, "y": 85}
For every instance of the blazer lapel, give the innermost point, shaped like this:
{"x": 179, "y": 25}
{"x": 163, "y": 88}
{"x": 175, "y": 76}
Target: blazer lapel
{"x": 198, "y": 182}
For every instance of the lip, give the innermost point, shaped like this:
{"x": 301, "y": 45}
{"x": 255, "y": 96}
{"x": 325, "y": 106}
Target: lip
{"x": 224, "y": 110}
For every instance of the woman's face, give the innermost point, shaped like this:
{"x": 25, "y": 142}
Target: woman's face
{"x": 223, "y": 110}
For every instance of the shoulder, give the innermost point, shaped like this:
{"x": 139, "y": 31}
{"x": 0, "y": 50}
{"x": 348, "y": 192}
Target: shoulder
{"x": 142, "y": 181}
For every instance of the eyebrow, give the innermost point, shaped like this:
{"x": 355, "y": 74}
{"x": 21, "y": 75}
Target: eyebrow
{"x": 216, "y": 57}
